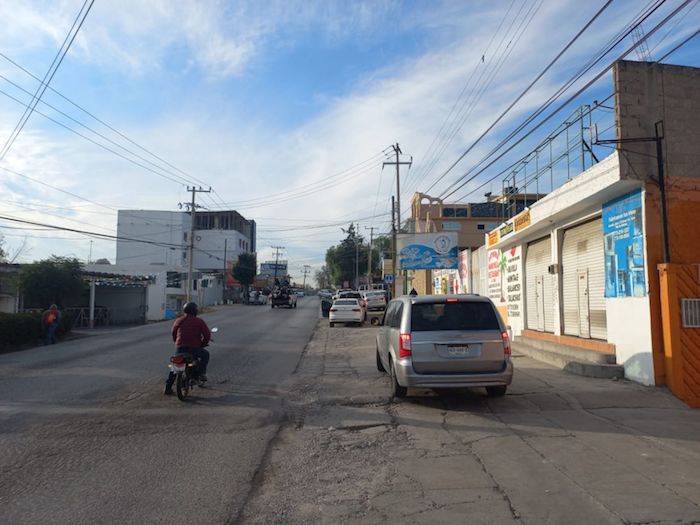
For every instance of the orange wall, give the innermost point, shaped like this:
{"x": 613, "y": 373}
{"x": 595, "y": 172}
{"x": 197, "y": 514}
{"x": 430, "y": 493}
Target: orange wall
{"x": 681, "y": 345}
{"x": 683, "y": 203}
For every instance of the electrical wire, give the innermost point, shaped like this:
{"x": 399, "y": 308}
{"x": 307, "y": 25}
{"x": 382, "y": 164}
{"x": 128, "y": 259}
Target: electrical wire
{"x": 430, "y": 152}
{"x": 58, "y": 59}
{"x": 524, "y": 92}
{"x": 457, "y": 185}
{"x": 519, "y": 31}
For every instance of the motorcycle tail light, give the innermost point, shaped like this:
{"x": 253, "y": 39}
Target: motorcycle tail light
{"x": 177, "y": 359}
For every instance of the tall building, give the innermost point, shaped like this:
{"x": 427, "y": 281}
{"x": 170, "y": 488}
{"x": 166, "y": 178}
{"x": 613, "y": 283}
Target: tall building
{"x": 162, "y": 238}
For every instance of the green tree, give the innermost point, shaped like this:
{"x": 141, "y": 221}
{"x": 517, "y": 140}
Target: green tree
{"x": 323, "y": 278}
{"x": 244, "y": 270}
{"x": 340, "y": 259}
{"x": 55, "y": 280}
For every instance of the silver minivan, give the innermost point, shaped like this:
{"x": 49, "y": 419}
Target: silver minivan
{"x": 444, "y": 341}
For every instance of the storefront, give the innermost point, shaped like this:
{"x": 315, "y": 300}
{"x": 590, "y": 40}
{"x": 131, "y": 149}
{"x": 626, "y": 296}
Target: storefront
{"x": 583, "y": 281}
{"x": 539, "y": 286}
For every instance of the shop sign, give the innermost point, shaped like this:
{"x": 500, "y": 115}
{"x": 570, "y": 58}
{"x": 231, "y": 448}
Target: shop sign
{"x": 451, "y": 226}
{"x": 464, "y": 260}
{"x": 427, "y": 251}
{"x": 623, "y": 234}
{"x": 493, "y": 237}
{"x": 522, "y": 220}
{"x": 495, "y": 288}
{"x": 513, "y": 281}
{"x": 506, "y": 230}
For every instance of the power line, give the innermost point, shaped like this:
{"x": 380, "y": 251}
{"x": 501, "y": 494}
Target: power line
{"x": 524, "y": 92}
{"x": 58, "y": 59}
{"x": 457, "y": 185}
{"x": 489, "y": 76}
{"x": 657, "y": 27}
{"x": 421, "y": 168}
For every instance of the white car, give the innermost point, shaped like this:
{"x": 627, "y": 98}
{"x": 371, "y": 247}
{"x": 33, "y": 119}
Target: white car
{"x": 375, "y": 299}
{"x": 345, "y": 311}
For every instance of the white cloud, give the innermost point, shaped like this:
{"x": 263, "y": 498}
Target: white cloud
{"x": 242, "y": 157}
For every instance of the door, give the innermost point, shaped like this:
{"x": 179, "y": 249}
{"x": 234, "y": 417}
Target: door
{"x": 583, "y": 296}
{"x": 584, "y": 314}
{"x": 539, "y": 300}
{"x": 539, "y": 287}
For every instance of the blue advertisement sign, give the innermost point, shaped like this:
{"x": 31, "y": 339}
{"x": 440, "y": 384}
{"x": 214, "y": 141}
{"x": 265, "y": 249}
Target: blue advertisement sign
{"x": 623, "y": 233}
{"x": 427, "y": 251}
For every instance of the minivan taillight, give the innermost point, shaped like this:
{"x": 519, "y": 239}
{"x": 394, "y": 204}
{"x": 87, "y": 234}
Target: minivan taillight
{"x": 405, "y": 345}
{"x": 506, "y": 343}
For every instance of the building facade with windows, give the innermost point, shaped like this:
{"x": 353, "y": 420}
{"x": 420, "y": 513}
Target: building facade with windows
{"x": 607, "y": 262}
{"x": 161, "y": 238}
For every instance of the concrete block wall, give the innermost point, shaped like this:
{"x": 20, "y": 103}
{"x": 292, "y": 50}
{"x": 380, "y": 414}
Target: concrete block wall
{"x": 646, "y": 93}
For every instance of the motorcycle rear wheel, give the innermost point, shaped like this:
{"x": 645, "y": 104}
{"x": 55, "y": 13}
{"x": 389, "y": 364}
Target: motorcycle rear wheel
{"x": 182, "y": 386}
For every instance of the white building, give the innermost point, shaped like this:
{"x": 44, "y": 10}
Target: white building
{"x": 161, "y": 238}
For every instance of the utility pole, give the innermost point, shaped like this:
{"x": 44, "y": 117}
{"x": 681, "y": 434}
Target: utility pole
{"x": 658, "y": 138}
{"x": 397, "y": 163}
{"x": 193, "y": 208}
{"x": 90, "y": 255}
{"x": 277, "y": 257}
{"x": 306, "y": 272}
{"x": 393, "y": 246}
{"x": 225, "y": 270}
{"x": 369, "y": 258}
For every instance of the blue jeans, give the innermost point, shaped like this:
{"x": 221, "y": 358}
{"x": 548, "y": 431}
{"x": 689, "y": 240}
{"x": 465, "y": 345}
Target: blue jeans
{"x": 200, "y": 353}
{"x": 51, "y": 334}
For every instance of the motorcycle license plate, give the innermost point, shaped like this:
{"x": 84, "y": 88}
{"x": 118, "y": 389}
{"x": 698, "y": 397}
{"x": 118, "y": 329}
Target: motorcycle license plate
{"x": 177, "y": 368}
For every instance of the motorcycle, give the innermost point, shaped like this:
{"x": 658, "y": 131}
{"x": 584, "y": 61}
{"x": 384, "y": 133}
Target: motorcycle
{"x": 186, "y": 368}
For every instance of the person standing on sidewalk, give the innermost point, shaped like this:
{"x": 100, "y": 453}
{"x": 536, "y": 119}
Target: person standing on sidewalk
{"x": 50, "y": 320}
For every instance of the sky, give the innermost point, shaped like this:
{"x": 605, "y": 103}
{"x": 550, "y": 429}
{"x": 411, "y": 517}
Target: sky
{"x": 286, "y": 109}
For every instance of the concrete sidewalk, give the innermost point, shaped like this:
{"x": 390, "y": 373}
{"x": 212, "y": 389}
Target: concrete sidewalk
{"x": 558, "y": 448}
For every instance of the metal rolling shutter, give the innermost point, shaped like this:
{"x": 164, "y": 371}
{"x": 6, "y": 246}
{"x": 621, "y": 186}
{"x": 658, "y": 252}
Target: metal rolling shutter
{"x": 583, "y": 262}
{"x": 537, "y": 261}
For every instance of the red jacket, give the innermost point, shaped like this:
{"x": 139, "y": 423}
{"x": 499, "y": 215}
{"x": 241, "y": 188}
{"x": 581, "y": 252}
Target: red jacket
{"x": 191, "y": 332}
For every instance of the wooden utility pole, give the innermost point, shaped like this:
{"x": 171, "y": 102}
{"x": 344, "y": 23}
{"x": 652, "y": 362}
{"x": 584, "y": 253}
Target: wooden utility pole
{"x": 277, "y": 257}
{"x": 393, "y": 247}
{"x": 190, "y": 268}
{"x": 306, "y": 272}
{"x": 397, "y": 163}
{"x": 369, "y": 258}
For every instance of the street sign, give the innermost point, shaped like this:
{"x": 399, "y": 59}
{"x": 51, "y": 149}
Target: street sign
{"x": 389, "y": 278}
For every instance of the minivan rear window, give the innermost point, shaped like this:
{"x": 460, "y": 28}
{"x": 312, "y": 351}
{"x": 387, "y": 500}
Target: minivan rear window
{"x": 462, "y": 315}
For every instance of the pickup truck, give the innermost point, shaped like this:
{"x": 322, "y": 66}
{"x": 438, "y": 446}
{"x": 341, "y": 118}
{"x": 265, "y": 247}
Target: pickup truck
{"x": 283, "y": 296}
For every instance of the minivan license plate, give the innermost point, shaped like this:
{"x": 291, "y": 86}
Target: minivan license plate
{"x": 463, "y": 351}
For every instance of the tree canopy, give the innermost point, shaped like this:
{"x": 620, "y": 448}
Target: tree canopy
{"x": 323, "y": 278}
{"x": 340, "y": 259}
{"x": 245, "y": 268}
{"x": 55, "y": 280}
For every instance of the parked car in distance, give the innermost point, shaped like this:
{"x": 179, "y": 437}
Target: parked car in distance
{"x": 444, "y": 341}
{"x": 337, "y": 293}
{"x": 257, "y": 297}
{"x": 375, "y": 299}
{"x": 351, "y": 294}
{"x": 325, "y": 293}
{"x": 345, "y": 311}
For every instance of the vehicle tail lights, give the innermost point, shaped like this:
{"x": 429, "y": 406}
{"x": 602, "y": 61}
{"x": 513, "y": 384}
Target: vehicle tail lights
{"x": 405, "y": 345}
{"x": 506, "y": 343}
{"x": 357, "y": 309}
{"x": 334, "y": 309}
{"x": 177, "y": 359}
{"x": 453, "y": 300}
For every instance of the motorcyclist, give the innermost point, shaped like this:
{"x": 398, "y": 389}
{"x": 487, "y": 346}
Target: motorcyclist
{"x": 190, "y": 334}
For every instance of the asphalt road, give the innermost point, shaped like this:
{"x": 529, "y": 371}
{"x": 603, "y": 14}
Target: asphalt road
{"x": 88, "y": 437}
